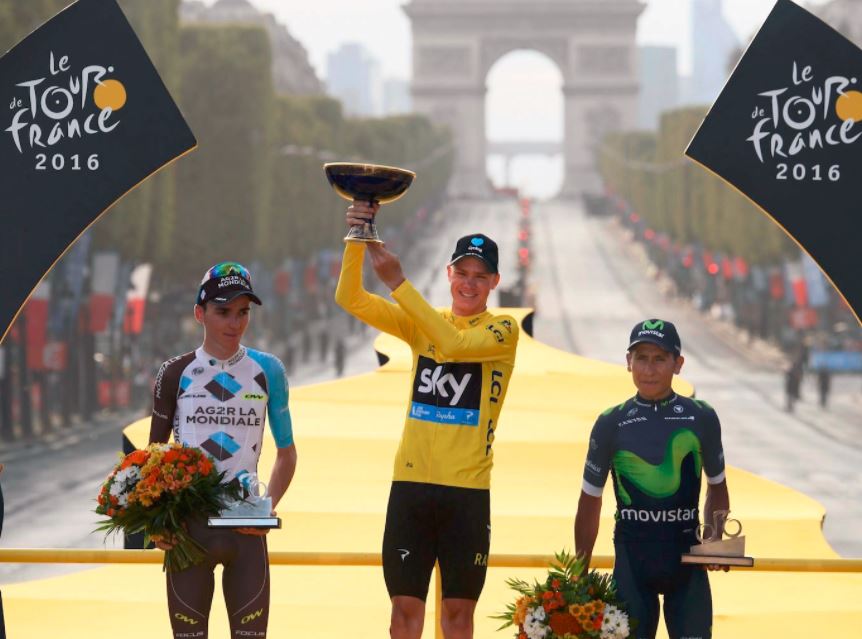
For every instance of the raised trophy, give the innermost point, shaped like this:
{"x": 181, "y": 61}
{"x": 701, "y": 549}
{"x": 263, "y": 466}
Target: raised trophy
{"x": 255, "y": 511}
{"x": 713, "y": 549}
{"x": 371, "y": 182}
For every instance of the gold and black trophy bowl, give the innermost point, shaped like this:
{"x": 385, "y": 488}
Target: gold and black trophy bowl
{"x": 370, "y": 182}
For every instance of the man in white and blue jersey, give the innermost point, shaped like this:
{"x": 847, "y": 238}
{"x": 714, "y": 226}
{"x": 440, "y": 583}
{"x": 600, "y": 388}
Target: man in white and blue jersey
{"x": 218, "y": 398}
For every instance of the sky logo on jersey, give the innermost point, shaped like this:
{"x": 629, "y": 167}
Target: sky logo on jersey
{"x": 447, "y": 393}
{"x": 661, "y": 480}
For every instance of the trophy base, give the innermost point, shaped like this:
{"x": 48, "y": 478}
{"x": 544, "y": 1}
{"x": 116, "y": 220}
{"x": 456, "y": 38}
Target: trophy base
{"x": 365, "y": 233}
{"x": 718, "y": 560}
{"x": 244, "y": 522}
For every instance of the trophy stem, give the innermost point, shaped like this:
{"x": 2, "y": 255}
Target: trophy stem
{"x": 365, "y": 233}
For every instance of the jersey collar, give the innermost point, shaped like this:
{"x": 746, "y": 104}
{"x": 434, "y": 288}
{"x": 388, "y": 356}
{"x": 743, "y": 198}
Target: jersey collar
{"x": 655, "y": 405}
{"x": 233, "y": 360}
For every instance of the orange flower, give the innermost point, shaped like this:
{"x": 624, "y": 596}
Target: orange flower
{"x": 521, "y": 608}
{"x": 138, "y": 457}
{"x": 555, "y": 584}
{"x": 562, "y": 623}
{"x": 597, "y": 622}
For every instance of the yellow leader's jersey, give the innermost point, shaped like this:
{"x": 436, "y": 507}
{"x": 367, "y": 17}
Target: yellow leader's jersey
{"x": 461, "y": 370}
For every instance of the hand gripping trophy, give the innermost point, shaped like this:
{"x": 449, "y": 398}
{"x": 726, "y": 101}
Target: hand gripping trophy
{"x": 713, "y": 549}
{"x": 371, "y": 182}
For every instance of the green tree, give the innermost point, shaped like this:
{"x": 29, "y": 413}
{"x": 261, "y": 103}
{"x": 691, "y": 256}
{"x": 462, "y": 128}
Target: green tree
{"x": 682, "y": 199}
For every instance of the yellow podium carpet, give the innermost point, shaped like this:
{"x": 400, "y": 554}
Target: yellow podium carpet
{"x": 346, "y": 434}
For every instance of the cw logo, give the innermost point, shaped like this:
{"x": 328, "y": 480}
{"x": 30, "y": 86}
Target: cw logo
{"x": 650, "y": 325}
{"x": 252, "y": 616}
{"x": 188, "y": 620}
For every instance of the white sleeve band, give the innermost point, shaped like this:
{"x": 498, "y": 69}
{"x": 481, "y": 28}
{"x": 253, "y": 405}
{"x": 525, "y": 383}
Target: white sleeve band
{"x": 592, "y": 491}
{"x": 717, "y": 479}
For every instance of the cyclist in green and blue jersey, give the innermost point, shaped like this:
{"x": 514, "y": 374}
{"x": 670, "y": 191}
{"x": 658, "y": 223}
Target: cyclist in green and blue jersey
{"x": 656, "y": 445}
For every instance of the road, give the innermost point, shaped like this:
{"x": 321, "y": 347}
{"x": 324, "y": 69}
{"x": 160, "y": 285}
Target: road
{"x": 591, "y": 285}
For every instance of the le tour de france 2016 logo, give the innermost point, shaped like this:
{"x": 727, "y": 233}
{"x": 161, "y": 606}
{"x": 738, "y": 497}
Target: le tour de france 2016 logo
{"x": 794, "y": 124}
{"x": 66, "y": 103}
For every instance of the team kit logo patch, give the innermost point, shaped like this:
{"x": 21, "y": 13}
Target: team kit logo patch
{"x": 448, "y": 393}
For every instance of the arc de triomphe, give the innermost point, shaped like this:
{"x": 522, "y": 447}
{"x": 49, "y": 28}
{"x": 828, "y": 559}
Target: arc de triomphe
{"x": 456, "y": 42}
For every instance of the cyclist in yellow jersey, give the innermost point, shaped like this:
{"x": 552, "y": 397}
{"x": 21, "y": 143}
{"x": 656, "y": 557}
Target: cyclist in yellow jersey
{"x": 439, "y": 505}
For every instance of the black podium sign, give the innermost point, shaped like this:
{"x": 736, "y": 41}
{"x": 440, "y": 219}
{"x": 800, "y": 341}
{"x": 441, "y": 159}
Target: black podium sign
{"x": 84, "y": 118}
{"x": 787, "y": 132}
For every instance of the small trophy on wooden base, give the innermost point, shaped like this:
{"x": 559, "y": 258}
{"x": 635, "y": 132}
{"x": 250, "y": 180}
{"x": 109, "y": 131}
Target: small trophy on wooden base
{"x": 713, "y": 549}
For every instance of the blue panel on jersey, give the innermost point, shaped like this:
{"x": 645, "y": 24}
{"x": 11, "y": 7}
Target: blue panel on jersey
{"x": 243, "y": 476}
{"x": 228, "y": 382}
{"x": 225, "y": 441}
{"x": 278, "y": 414}
{"x": 438, "y": 415}
{"x": 185, "y": 382}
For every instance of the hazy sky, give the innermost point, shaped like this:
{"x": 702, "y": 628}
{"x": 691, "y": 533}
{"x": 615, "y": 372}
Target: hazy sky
{"x": 381, "y": 25}
{"x": 524, "y": 100}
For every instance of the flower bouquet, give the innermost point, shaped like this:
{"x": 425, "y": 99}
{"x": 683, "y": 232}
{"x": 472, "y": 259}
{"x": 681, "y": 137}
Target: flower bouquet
{"x": 155, "y": 490}
{"x": 569, "y": 604}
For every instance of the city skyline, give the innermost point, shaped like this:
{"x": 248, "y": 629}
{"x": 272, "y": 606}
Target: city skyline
{"x": 384, "y": 29}
{"x": 524, "y": 97}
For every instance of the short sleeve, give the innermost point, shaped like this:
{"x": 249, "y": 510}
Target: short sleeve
{"x": 712, "y": 450}
{"x": 599, "y": 456}
{"x": 277, "y": 411}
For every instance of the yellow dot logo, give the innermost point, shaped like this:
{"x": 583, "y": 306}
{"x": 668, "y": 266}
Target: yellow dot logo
{"x": 110, "y": 94}
{"x": 849, "y": 106}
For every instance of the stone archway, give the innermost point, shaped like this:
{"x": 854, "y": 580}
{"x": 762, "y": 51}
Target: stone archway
{"x": 455, "y": 44}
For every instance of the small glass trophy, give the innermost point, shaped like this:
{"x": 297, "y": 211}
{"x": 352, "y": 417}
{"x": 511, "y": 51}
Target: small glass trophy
{"x": 713, "y": 550}
{"x": 255, "y": 511}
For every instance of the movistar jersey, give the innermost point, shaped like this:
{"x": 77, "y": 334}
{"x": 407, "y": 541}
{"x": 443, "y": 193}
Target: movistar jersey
{"x": 655, "y": 452}
{"x": 221, "y": 405}
{"x": 461, "y": 370}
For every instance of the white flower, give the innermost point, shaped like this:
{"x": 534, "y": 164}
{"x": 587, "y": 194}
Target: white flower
{"x": 533, "y": 623}
{"x": 615, "y": 623}
{"x": 539, "y": 613}
{"x": 126, "y": 478}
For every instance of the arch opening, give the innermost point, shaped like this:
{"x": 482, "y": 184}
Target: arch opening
{"x": 524, "y": 130}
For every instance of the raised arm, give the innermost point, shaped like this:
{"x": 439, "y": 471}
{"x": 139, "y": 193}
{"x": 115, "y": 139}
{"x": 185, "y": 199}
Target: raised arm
{"x": 368, "y": 307}
{"x": 493, "y": 339}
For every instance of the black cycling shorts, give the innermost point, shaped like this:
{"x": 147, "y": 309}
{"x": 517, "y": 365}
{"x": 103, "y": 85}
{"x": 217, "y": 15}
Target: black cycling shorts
{"x": 245, "y": 583}
{"x": 427, "y": 523}
{"x": 645, "y": 569}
